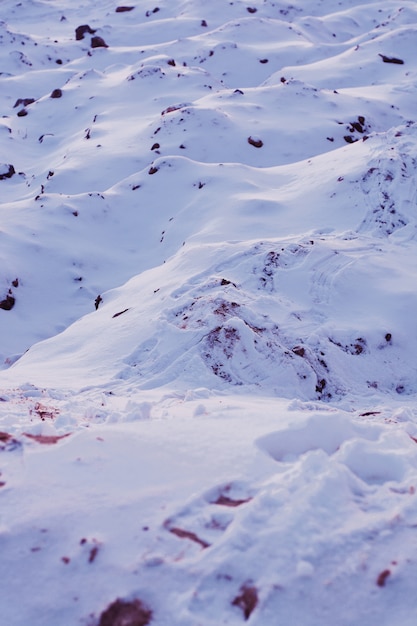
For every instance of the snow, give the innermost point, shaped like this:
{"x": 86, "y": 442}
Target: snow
{"x": 208, "y": 313}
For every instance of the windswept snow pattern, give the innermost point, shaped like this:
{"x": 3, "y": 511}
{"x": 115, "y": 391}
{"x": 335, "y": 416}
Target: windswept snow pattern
{"x": 208, "y": 307}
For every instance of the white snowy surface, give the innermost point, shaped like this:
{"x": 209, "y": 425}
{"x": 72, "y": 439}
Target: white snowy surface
{"x": 231, "y": 436}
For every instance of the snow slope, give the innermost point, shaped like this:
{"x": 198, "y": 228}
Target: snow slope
{"x": 208, "y": 313}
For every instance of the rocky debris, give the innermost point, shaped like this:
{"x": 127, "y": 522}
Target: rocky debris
{"x": 357, "y": 126}
{"x": 6, "y": 170}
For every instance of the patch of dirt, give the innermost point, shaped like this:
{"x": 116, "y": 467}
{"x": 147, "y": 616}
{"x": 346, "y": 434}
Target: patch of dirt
{"x": 247, "y": 600}
{"x": 44, "y": 412}
{"x": 47, "y": 439}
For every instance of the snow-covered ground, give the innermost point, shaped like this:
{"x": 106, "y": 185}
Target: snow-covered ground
{"x": 208, "y": 313}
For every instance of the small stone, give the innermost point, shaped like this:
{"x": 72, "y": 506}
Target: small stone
{"x": 8, "y": 303}
{"x": 6, "y": 171}
{"x": 126, "y": 613}
{"x": 391, "y": 60}
{"x": 98, "y": 42}
{"x": 80, "y": 31}
{"x": 24, "y": 101}
{"x": 255, "y": 142}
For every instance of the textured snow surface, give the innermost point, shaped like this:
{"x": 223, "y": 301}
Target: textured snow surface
{"x": 208, "y": 313}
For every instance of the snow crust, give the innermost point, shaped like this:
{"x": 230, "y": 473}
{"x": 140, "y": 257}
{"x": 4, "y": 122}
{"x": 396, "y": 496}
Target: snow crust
{"x": 208, "y": 313}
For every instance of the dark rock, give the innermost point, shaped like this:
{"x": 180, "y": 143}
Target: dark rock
{"x": 125, "y": 613}
{"x": 299, "y": 351}
{"x": 24, "y": 101}
{"x": 98, "y": 301}
{"x": 80, "y": 31}
{"x": 256, "y": 143}
{"x": 391, "y": 60}
{"x": 57, "y": 93}
{"x": 124, "y": 9}
{"x": 8, "y": 303}
{"x": 382, "y": 578}
{"x": 251, "y": 9}
{"x": 357, "y": 126}
{"x": 204, "y": 23}
{"x": 155, "y": 10}
{"x": 153, "y": 170}
{"x": 22, "y": 113}
{"x": 98, "y": 42}
{"x": 6, "y": 171}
